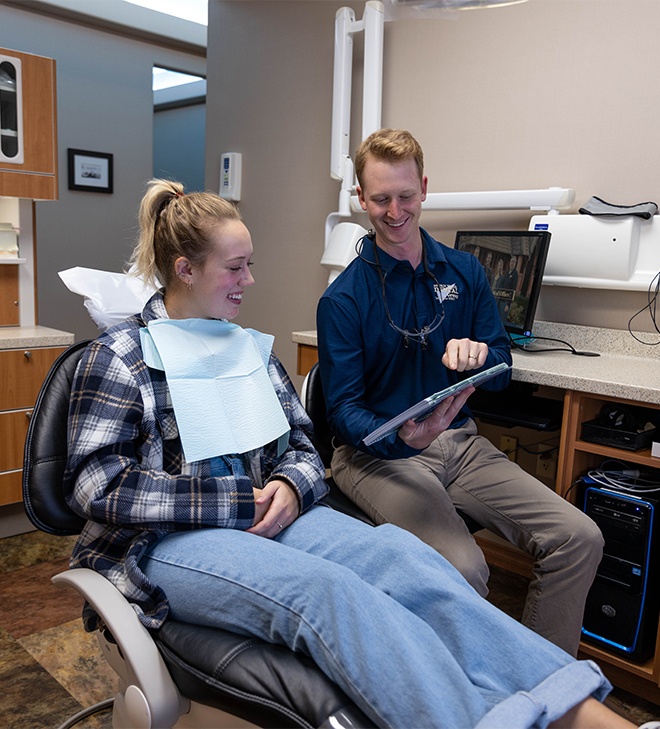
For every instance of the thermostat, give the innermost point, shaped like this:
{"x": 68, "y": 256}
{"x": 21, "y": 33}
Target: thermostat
{"x": 230, "y": 176}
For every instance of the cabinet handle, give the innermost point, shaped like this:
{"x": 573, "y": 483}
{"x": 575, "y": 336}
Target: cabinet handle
{"x": 28, "y": 414}
{"x": 27, "y": 354}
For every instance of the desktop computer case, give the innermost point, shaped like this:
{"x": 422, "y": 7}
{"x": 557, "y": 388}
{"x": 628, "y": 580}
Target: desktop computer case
{"x": 621, "y": 611}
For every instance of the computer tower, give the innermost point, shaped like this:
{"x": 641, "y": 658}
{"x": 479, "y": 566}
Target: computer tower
{"x": 621, "y": 611}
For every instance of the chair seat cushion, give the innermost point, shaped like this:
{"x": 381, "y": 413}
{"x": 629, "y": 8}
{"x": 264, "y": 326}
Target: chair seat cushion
{"x": 265, "y": 684}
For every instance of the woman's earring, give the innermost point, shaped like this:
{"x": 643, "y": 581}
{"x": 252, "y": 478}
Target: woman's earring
{"x": 189, "y": 285}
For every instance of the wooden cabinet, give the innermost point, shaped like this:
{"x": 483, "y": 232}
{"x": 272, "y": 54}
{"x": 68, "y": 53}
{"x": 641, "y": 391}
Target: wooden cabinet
{"x": 575, "y": 459}
{"x": 23, "y": 371}
{"x": 28, "y": 165}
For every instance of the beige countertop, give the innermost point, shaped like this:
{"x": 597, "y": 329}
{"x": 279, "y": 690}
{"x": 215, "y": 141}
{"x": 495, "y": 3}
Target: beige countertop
{"x": 625, "y": 368}
{"x": 26, "y": 337}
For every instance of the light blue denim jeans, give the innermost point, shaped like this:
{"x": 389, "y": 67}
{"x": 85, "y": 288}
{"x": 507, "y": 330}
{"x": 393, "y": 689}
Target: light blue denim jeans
{"x": 382, "y": 614}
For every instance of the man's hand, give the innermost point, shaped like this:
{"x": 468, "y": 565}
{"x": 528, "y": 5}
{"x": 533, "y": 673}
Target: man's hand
{"x": 275, "y": 507}
{"x": 421, "y": 435}
{"x": 464, "y": 354}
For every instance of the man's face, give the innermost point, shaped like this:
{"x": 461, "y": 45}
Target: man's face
{"x": 512, "y": 263}
{"x": 392, "y": 196}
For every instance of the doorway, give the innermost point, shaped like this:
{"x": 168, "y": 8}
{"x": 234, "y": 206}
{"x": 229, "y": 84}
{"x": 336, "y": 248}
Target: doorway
{"x": 179, "y": 127}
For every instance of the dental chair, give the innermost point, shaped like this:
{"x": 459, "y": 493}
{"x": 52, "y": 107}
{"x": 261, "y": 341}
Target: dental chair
{"x": 181, "y": 675}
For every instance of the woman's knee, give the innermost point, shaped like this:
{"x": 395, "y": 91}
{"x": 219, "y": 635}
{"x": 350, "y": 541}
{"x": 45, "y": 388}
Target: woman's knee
{"x": 468, "y": 560}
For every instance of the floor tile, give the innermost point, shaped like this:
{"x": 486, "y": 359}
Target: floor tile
{"x": 25, "y": 550}
{"x": 30, "y": 602}
{"x": 74, "y": 658}
{"x": 30, "y": 698}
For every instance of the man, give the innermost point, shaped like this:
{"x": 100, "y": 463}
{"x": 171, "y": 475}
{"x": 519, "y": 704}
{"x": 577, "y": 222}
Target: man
{"x": 407, "y": 318}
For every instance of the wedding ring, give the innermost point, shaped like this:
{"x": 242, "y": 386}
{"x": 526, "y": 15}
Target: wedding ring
{"x": 472, "y": 356}
{"x": 281, "y": 526}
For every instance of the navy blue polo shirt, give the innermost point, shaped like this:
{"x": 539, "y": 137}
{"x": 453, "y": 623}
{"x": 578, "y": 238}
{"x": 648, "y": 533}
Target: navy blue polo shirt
{"x": 368, "y": 373}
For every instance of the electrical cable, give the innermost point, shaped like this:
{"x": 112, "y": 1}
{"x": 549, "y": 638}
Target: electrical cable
{"x": 651, "y": 305}
{"x": 624, "y": 478}
{"x": 518, "y": 338}
{"x": 89, "y": 711}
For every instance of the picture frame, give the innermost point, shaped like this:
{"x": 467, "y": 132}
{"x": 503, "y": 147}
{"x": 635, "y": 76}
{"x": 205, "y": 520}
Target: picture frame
{"x": 90, "y": 171}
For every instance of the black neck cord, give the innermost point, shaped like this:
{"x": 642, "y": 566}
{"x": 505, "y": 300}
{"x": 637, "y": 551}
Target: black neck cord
{"x": 417, "y": 335}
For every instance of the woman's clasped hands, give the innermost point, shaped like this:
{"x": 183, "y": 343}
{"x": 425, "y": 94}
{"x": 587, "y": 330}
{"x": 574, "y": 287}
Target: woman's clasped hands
{"x": 275, "y": 507}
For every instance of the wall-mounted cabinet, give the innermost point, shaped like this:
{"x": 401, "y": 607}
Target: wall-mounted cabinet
{"x": 28, "y": 130}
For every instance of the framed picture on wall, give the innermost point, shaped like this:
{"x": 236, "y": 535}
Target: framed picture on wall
{"x": 90, "y": 171}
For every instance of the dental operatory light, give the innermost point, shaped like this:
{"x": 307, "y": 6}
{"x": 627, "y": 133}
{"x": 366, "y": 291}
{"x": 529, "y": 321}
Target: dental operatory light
{"x": 427, "y": 9}
{"x": 451, "y": 4}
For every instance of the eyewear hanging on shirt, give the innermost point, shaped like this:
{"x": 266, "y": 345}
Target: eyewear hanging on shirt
{"x": 420, "y": 335}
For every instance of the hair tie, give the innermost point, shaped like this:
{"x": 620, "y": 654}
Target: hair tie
{"x": 178, "y": 194}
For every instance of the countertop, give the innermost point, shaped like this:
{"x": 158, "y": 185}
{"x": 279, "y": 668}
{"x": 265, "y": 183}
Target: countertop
{"x": 625, "y": 368}
{"x": 30, "y": 337}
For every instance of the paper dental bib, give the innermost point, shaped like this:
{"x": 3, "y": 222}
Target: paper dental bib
{"x": 223, "y": 399}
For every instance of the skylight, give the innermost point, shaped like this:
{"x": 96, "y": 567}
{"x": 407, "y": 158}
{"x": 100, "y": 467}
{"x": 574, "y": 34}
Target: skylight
{"x": 195, "y": 11}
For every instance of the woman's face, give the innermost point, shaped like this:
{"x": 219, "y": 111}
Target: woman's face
{"x": 218, "y": 285}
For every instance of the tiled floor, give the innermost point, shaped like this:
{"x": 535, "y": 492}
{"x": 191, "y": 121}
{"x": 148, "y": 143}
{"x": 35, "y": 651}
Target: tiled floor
{"x": 50, "y": 669}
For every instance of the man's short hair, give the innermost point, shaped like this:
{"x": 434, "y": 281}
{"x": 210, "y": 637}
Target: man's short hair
{"x": 389, "y": 145}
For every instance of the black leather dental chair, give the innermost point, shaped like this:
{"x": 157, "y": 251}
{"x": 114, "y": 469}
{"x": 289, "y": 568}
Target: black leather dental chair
{"x": 181, "y": 675}
{"x": 314, "y": 401}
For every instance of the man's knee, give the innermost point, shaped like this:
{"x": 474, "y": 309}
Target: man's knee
{"x": 579, "y": 536}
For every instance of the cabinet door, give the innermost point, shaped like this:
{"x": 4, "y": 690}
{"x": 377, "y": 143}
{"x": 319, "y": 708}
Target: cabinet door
{"x": 13, "y": 429}
{"x": 11, "y": 485}
{"x": 9, "y": 310}
{"x": 23, "y": 371}
{"x": 36, "y": 176}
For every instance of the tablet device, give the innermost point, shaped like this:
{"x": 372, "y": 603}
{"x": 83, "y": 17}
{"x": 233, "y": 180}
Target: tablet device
{"x": 426, "y": 406}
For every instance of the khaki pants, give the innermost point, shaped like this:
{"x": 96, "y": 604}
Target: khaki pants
{"x": 462, "y": 470}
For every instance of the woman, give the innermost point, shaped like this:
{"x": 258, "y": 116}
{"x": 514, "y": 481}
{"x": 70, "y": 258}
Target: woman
{"x": 194, "y": 529}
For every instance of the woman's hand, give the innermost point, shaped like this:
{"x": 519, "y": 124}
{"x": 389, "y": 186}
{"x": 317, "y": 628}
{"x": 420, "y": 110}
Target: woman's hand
{"x": 275, "y": 507}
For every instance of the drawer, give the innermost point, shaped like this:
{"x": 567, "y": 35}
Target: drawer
{"x": 13, "y": 429}
{"x": 21, "y": 373}
{"x": 11, "y": 487}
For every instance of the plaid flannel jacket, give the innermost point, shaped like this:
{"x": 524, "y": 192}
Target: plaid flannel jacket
{"x": 126, "y": 473}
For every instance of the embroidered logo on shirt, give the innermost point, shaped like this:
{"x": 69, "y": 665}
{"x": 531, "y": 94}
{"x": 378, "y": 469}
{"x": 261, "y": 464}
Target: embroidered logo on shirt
{"x": 446, "y": 292}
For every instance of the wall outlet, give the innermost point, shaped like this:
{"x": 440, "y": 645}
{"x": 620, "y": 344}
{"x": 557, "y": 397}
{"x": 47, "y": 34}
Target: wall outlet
{"x": 509, "y": 446}
{"x": 546, "y": 466}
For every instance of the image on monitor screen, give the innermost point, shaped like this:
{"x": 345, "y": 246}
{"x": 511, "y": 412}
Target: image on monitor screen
{"x": 513, "y": 262}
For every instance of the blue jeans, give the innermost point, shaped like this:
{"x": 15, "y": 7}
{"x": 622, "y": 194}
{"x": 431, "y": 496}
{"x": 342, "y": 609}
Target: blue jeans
{"x": 461, "y": 470}
{"x": 382, "y": 614}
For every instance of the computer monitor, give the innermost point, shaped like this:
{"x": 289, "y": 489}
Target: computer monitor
{"x": 514, "y": 262}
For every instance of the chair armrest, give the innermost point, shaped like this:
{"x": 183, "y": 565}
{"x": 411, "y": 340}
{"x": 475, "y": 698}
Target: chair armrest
{"x": 146, "y": 668}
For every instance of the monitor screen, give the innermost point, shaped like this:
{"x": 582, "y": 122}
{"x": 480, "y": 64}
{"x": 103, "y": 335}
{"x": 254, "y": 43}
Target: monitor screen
{"x": 514, "y": 263}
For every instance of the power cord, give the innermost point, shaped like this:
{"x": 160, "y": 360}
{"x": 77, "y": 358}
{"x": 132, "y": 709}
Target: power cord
{"x": 525, "y": 344}
{"x": 653, "y": 291}
{"x": 620, "y": 476}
